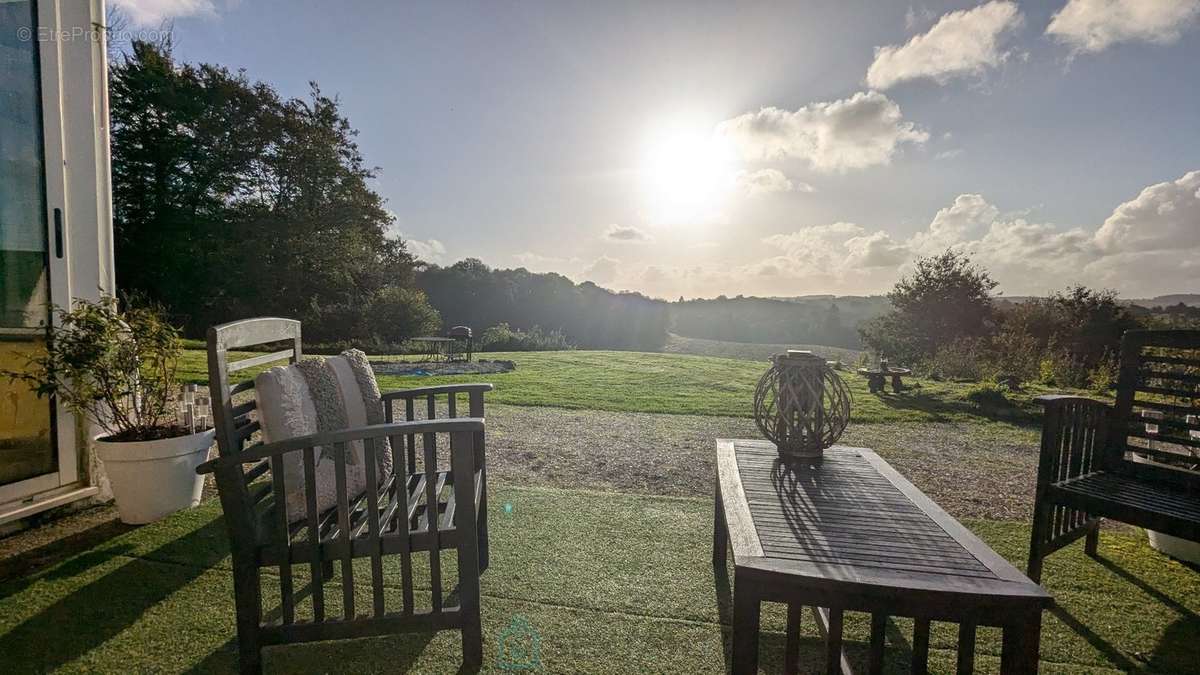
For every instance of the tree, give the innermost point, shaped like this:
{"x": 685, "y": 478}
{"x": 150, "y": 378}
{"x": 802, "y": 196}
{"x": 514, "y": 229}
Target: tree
{"x": 1077, "y": 328}
{"x": 230, "y": 201}
{"x": 946, "y": 299}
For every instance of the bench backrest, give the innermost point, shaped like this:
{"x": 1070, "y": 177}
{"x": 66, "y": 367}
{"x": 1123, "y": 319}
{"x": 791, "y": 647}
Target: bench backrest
{"x": 1157, "y": 411}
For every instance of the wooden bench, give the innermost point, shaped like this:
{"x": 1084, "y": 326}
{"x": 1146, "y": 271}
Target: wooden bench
{"x": 1122, "y": 461}
{"x": 423, "y": 506}
{"x": 876, "y": 378}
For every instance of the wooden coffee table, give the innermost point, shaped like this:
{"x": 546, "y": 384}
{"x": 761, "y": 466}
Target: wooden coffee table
{"x": 849, "y": 533}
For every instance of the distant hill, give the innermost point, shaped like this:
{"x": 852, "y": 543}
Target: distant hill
{"x": 1189, "y": 299}
{"x": 820, "y": 320}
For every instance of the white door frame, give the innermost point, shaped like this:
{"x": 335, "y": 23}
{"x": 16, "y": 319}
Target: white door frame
{"x": 73, "y": 72}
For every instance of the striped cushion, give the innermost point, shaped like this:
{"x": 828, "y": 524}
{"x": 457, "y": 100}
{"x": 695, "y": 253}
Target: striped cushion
{"x": 318, "y": 395}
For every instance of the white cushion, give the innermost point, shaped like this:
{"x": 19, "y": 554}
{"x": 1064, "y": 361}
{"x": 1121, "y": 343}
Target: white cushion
{"x": 289, "y": 398}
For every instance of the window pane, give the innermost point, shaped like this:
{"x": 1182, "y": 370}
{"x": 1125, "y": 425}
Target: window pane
{"x": 23, "y": 276}
{"x": 26, "y": 441}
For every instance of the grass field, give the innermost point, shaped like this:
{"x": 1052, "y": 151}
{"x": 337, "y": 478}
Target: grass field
{"x": 753, "y": 351}
{"x": 685, "y": 384}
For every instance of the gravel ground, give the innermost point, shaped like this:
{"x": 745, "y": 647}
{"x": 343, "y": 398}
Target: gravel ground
{"x": 976, "y": 471}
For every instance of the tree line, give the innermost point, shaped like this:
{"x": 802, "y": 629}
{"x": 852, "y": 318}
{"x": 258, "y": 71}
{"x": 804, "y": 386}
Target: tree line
{"x": 946, "y": 321}
{"x": 471, "y": 293}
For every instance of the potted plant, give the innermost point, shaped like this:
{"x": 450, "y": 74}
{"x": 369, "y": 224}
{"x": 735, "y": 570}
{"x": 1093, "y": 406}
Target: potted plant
{"x": 116, "y": 367}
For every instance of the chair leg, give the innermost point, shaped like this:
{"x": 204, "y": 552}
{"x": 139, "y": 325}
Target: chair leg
{"x": 1092, "y": 540}
{"x": 248, "y": 601}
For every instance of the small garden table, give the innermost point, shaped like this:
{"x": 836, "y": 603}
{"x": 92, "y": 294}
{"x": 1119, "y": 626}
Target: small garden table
{"x": 876, "y": 378}
{"x": 849, "y": 533}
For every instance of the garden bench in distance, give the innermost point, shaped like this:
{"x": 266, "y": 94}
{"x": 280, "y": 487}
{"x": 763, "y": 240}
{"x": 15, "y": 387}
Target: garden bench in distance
{"x": 418, "y": 507}
{"x": 849, "y": 533}
{"x": 1089, "y": 467}
{"x": 876, "y": 377}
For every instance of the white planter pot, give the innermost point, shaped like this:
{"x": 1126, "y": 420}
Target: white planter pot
{"x": 153, "y": 479}
{"x": 1180, "y": 549}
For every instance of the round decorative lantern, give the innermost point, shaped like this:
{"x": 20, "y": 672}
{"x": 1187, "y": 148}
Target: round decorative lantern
{"x": 800, "y": 404}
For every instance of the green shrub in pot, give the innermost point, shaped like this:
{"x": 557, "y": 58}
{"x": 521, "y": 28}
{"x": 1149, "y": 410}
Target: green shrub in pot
{"x": 115, "y": 366}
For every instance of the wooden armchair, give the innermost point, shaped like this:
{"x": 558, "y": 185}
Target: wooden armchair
{"x": 1123, "y": 461}
{"x": 420, "y": 506}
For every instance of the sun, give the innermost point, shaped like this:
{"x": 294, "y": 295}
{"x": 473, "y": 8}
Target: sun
{"x": 687, "y": 173}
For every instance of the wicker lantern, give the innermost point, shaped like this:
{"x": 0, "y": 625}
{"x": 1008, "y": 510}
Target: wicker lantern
{"x": 801, "y": 405}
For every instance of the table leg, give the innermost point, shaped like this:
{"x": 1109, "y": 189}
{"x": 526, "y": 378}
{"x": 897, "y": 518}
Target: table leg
{"x": 745, "y": 629}
{"x": 720, "y": 531}
{"x": 1019, "y": 651}
{"x": 896, "y": 387}
{"x": 791, "y": 657}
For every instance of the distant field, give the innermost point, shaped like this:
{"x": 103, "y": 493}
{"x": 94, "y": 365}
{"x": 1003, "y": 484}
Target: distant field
{"x": 678, "y": 344}
{"x": 682, "y": 384}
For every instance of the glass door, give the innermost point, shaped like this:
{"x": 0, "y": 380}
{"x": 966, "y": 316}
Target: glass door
{"x": 30, "y": 458}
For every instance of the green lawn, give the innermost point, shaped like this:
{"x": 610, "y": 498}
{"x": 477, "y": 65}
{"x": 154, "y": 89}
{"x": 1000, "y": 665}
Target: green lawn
{"x": 637, "y": 594}
{"x": 685, "y": 384}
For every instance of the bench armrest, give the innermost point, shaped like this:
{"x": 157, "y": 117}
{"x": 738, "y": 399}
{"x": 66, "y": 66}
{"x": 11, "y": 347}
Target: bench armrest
{"x": 257, "y": 453}
{"x": 418, "y": 392}
{"x": 1074, "y": 437}
{"x": 1063, "y": 399}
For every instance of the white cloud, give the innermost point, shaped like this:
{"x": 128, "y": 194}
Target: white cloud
{"x": 961, "y": 44}
{"x": 429, "y": 250}
{"x": 970, "y": 214}
{"x": 602, "y": 270}
{"x": 832, "y": 252}
{"x": 864, "y": 130}
{"x": 152, "y": 13}
{"x": 949, "y": 154}
{"x": 1165, "y": 216}
{"x": 875, "y": 250}
{"x": 626, "y": 234}
{"x": 1093, "y": 25}
{"x": 767, "y": 181}
{"x": 1148, "y": 245}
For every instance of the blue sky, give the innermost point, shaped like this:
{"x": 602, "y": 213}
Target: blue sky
{"x": 773, "y": 149}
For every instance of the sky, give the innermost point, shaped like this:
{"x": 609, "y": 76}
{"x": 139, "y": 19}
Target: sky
{"x": 696, "y": 149}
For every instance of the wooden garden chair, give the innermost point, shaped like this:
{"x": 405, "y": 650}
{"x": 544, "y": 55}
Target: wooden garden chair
{"x": 1094, "y": 456}
{"x": 418, "y": 507}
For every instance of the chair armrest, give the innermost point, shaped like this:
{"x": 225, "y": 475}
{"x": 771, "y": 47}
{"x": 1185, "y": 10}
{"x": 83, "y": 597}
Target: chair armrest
{"x": 417, "y": 392}
{"x": 256, "y": 453}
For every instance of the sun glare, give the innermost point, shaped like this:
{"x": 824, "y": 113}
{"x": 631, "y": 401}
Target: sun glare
{"x": 687, "y": 174}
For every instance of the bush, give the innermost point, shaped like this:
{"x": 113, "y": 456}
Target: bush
{"x": 397, "y": 314}
{"x": 988, "y": 397}
{"x": 1061, "y": 369}
{"x": 1104, "y": 376}
{"x": 963, "y": 359}
{"x": 503, "y": 338}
